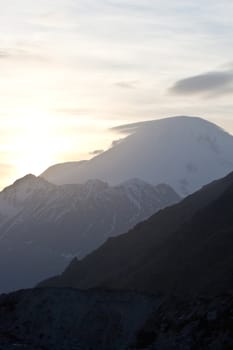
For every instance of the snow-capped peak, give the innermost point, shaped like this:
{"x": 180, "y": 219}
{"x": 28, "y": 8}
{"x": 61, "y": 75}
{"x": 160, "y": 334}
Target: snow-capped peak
{"x": 13, "y": 196}
{"x": 184, "y": 152}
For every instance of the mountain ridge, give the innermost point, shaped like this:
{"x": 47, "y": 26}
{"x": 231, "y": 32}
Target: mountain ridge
{"x": 155, "y": 256}
{"x": 45, "y": 226}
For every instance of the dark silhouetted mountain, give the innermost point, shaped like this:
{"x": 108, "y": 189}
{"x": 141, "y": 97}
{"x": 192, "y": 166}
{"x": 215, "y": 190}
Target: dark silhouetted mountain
{"x": 183, "y": 249}
{"x": 65, "y": 319}
{"x": 184, "y": 152}
{"x": 44, "y": 226}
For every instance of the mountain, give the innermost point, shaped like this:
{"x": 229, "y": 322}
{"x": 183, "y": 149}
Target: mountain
{"x": 184, "y": 152}
{"x": 44, "y": 226}
{"x": 65, "y": 319}
{"x": 184, "y": 249}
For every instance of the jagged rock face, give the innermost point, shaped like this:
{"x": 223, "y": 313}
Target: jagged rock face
{"x": 184, "y": 152}
{"x": 44, "y": 226}
{"x": 65, "y": 319}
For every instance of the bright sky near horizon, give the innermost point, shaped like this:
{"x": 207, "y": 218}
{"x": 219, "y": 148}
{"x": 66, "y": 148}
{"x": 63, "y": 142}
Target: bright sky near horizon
{"x": 71, "y": 69}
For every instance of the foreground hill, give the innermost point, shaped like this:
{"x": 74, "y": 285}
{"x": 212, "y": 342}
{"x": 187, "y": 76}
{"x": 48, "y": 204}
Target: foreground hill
{"x": 184, "y": 152}
{"x": 43, "y": 226}
{"x": 66, "y": 319}
{"x": 183, "y": 249}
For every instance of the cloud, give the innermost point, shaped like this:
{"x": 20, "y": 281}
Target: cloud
{"x": 4, "y": 54}
{"x": 127, "y": 84}
{"x": 96, "y": 152}
{"x": 207, "y": 83}
{"x": 28, "y": 52}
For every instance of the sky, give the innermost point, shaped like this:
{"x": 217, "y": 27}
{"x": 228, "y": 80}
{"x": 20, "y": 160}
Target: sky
{"x": 73, "y": 69}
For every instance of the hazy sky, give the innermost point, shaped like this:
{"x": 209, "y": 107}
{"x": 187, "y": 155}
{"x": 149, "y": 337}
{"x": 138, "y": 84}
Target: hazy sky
{"x": 71, "y": 69}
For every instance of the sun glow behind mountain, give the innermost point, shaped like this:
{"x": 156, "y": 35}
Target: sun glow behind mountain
{"x": 34, "y": 143}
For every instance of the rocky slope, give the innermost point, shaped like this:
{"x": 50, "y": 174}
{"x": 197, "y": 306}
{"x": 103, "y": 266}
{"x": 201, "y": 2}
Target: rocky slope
{"x": 65, "y": 319}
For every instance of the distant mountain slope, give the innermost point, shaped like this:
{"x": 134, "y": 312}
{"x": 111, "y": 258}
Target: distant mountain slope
{"x": 186, "y": 248}
{"x": 43, "y": 226}
{"x": 184, "y": 152}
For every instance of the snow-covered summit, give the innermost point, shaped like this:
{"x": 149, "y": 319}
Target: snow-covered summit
{"x": 184, "y": 152}
{"x": 23, "y": 187}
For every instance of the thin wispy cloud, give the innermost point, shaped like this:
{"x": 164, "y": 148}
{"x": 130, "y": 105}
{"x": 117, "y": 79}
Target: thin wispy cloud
{"x": 23, "y": 54}
{"x": 127, "y": 84}
{"x": 4, "y": 54}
